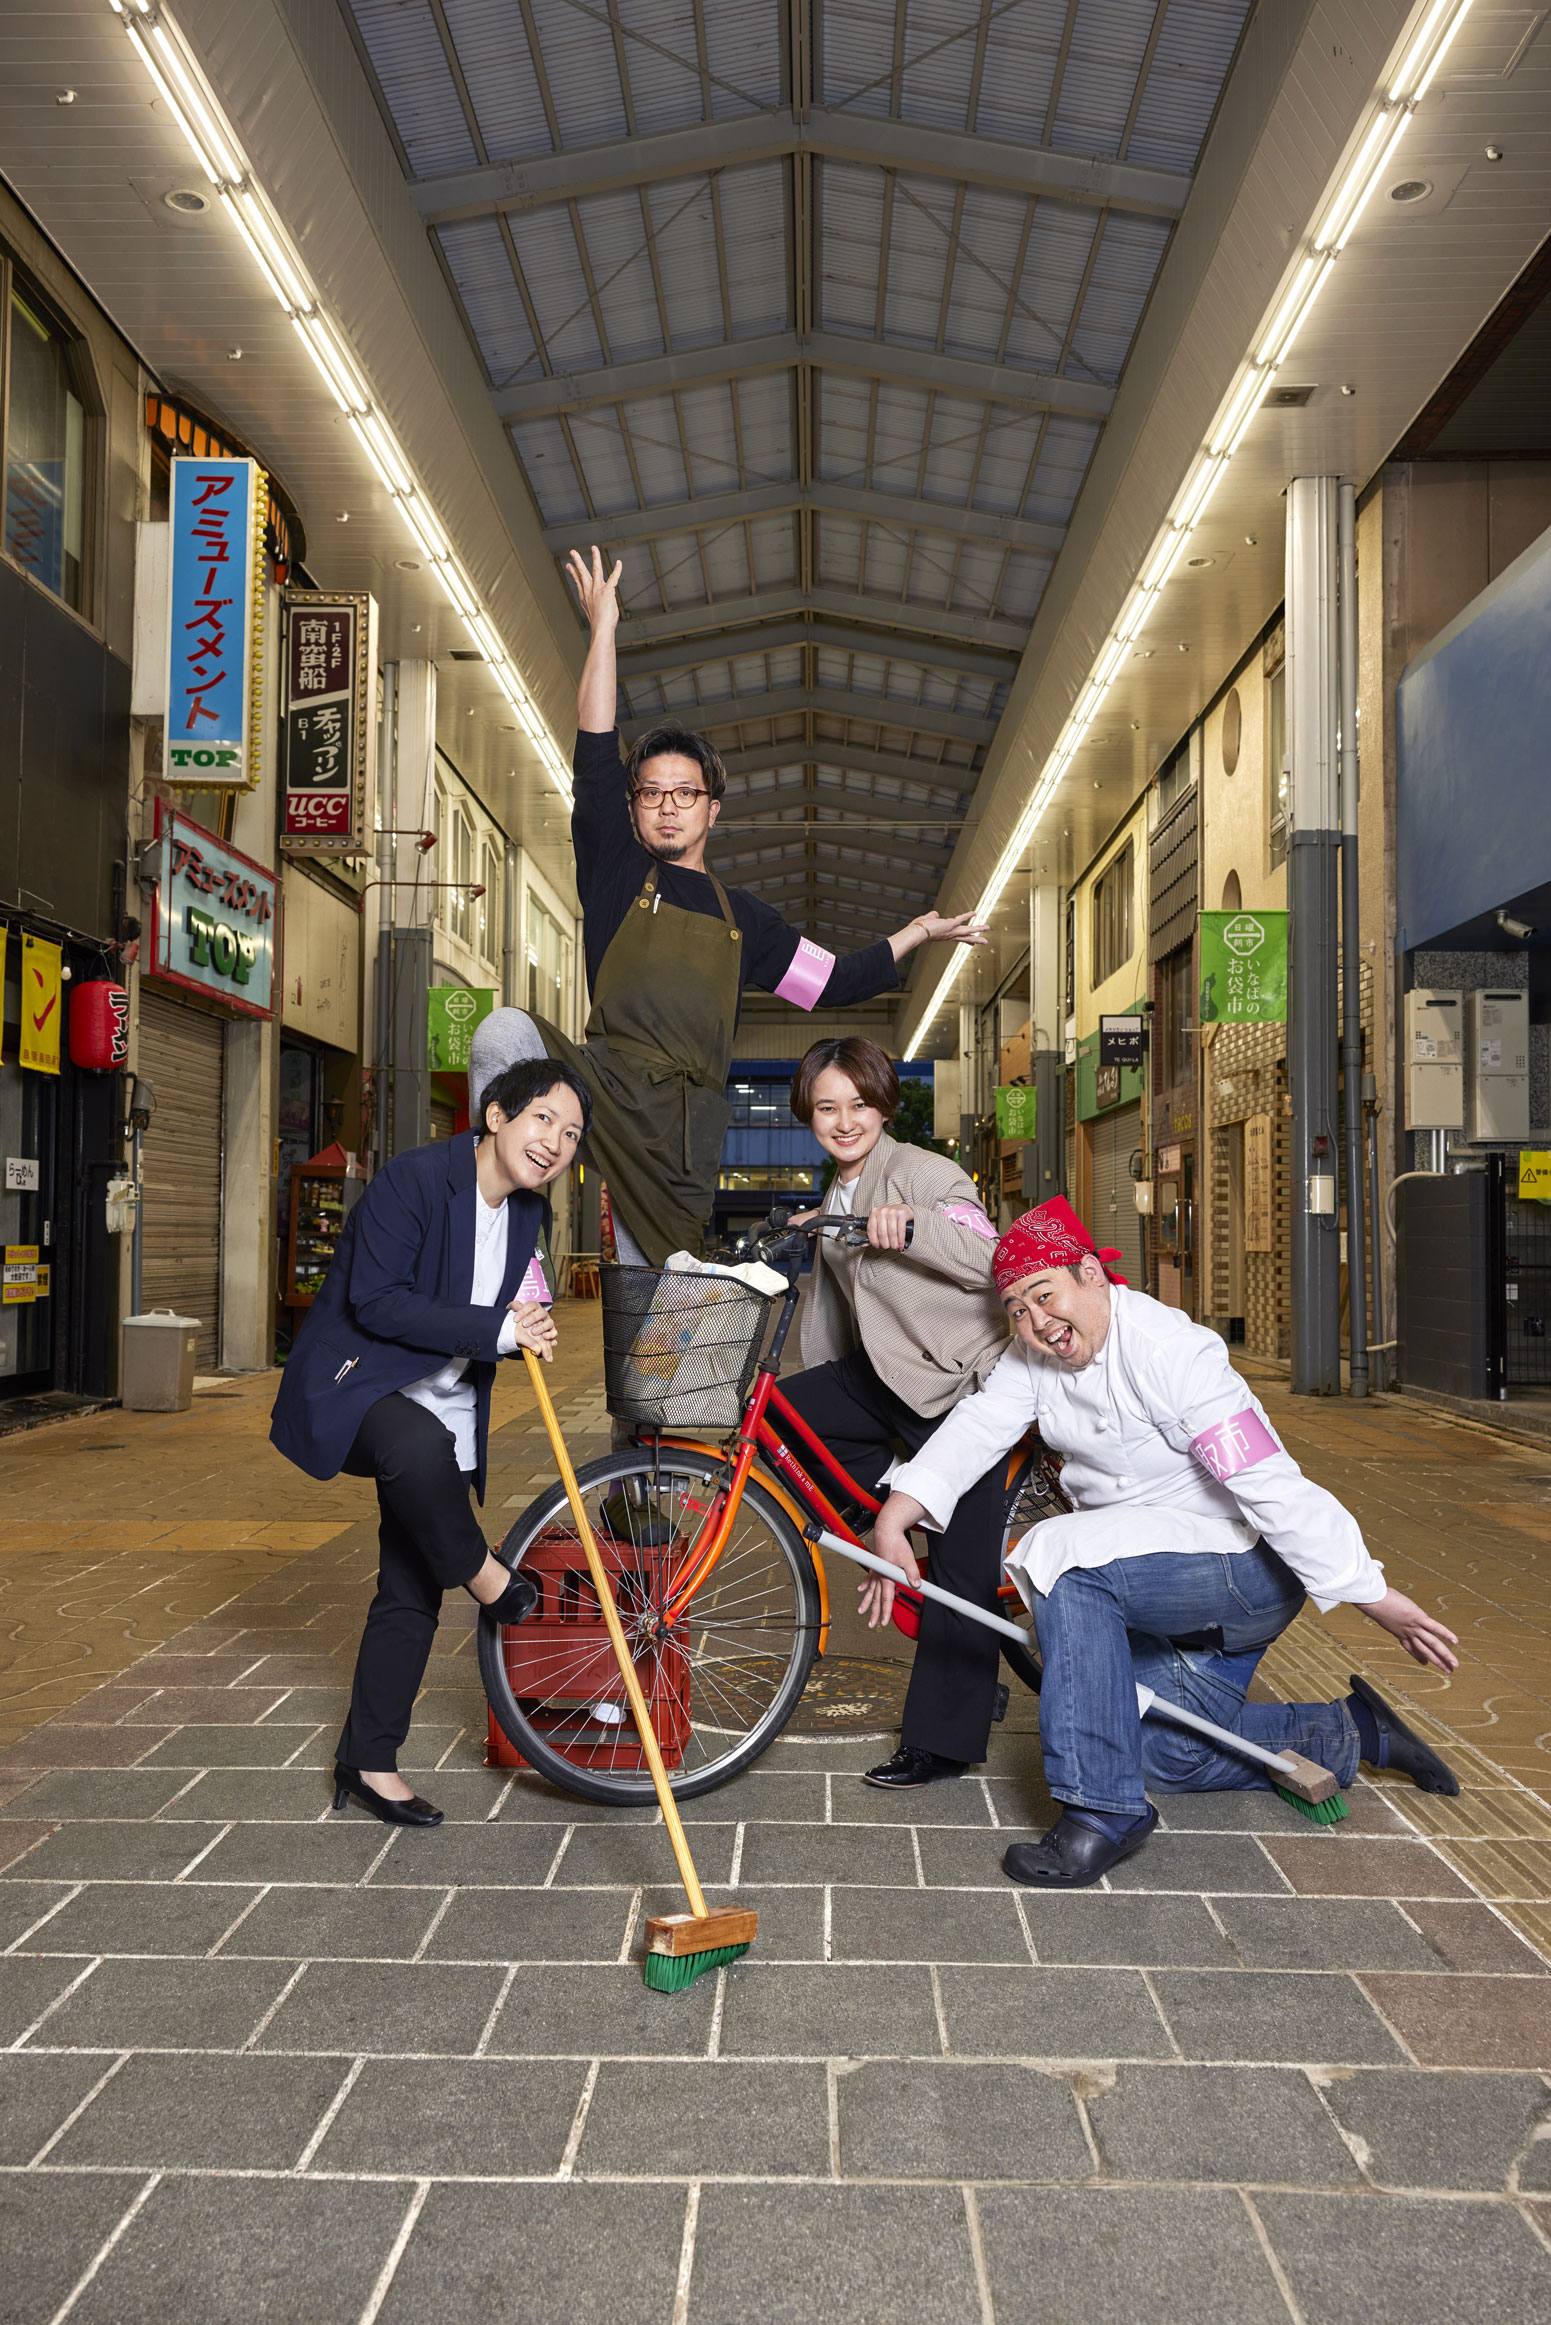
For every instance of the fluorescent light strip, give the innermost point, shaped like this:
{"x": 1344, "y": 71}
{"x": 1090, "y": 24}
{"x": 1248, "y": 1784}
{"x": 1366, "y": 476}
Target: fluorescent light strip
{"x": 1339, "y": 211}
{"x": 195, "y": 107}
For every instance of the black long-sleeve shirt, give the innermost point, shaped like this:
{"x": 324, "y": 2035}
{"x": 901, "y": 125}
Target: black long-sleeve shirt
{"x": 611, "y": 865}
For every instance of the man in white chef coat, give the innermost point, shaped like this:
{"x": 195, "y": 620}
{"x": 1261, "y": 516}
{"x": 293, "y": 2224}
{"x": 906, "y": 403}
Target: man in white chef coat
{"x": 1194, "y": 1541}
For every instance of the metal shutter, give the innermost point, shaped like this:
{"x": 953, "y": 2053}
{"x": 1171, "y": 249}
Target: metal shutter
{"x": 181, "y": 1055}
{"x": 1115, "y": 1218}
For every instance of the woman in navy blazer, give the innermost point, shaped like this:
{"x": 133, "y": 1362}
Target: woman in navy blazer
{"x": 391, "y": 1377}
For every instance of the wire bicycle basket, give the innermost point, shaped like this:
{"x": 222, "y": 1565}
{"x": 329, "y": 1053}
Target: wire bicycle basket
{"x": 680, "y": 1350}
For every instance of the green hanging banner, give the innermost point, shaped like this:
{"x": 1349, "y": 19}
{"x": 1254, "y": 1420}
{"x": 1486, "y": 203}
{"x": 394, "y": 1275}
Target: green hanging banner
{"x": 1243, "y": 968}
{"x": 453, "y": 1011}
{"x": 1014, "y": 1110}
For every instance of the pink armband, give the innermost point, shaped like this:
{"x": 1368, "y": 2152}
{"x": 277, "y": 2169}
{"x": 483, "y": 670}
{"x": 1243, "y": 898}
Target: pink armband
{"x": 1235, "y": 1444}
{"x": 533, "y": 1286}
{"x": 808, "y": 975}
{"x": 971, "y": 1216}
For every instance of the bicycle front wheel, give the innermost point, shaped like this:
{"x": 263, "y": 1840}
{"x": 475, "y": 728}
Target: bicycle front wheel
{"x": 721, "y": 1677}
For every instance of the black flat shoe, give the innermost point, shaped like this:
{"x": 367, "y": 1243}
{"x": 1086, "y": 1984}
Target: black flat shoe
{"x": 516, "y": 1602}
{"x": 349, "y": 1784}
{"x": 911, "y": 1766}
{"x": 1072, "y": 1855}
{"x": 1406, "y": 1750}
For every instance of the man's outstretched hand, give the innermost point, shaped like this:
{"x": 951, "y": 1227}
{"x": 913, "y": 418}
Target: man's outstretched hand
{"x": 598, "y": 591}
{"x": 1421, "y": 1634}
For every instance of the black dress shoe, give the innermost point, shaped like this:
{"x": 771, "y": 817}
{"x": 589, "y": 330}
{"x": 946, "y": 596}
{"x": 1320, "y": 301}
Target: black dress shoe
{"x": 1406, "y": 1750}
{"x": 911, "y": 1766}
{"x": 350, "y": 1784}
{"x": 1072, "y": 1855}
{"x": 516, "y": 1602}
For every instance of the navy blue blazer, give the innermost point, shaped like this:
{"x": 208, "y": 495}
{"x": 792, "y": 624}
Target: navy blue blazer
{"x": 395, "y": 1305}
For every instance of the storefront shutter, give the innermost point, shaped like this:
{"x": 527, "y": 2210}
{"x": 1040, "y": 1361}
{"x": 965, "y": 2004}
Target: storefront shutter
{"x": 1115, "y": 1218}
{"x": 181, "y": 1054}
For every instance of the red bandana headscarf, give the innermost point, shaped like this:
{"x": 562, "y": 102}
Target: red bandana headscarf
{"x": 1051, "y": 1236}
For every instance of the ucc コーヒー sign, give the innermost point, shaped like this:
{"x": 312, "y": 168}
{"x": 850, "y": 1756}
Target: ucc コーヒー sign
{"x": 212, "y": 918}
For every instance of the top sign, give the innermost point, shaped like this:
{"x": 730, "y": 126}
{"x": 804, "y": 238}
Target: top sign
{"x": 213, "y": 918}
{"x": 215, "y": 623}
{"x": 330, "y": 721}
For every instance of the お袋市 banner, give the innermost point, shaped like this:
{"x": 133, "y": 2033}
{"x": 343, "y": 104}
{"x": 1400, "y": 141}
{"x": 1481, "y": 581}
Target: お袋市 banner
{"x": 1243, "y": 968}
{"x": 215, "y": 601}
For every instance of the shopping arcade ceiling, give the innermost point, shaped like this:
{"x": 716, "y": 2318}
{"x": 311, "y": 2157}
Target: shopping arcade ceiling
{"x": 815, "y": 319}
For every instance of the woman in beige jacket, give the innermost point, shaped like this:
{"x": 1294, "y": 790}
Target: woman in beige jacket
{"x": 891, "y": 1339}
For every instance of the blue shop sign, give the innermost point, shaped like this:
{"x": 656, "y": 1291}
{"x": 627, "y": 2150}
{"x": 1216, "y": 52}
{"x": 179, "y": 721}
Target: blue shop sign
{"x": 214, "y": 626}
{"x": 213, "y": 918}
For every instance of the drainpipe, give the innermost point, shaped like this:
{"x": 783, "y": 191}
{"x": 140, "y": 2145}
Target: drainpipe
{"x": 1351, "y": 959}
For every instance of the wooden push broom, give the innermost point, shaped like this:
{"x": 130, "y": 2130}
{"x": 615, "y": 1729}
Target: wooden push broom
{"x": 680, "y": 1946}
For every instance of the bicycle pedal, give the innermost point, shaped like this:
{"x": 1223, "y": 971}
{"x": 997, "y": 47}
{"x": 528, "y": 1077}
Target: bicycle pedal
{"x": 999, "y": 1703}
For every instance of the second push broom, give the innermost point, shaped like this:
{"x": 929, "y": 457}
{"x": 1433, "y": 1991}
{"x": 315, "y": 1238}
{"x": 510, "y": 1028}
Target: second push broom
{"x": 680, "y": 1947}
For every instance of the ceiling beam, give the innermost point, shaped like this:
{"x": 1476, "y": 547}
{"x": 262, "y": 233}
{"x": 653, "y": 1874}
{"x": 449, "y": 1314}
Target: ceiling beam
{"x": 846, "y": 605}
{"x": 998, "y": 383}
{"x": 771, "y": 637}
{"x": 920, "y": 718}
{"x": 715, "y": 511}
{"x": 850, "y": 758}
{"x": 580, "y": 171}
{"x": 866, "y": 805}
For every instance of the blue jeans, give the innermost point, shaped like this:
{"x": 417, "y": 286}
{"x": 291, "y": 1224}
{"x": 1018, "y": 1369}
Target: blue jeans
{"x": 1103, "y": 1629}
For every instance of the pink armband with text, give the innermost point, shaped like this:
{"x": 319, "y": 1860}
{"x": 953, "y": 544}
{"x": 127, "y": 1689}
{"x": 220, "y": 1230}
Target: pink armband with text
{"x": 533, "y": 1286}
{"x": 808, "y": 975}
{"x": 1235, "y": 1444}
{"x": 971, "y": 1216}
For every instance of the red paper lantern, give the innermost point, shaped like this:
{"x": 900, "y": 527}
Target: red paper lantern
{"x": 99, "y": 1026}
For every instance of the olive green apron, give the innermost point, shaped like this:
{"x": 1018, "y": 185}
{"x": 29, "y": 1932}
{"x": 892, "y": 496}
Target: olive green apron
{"x": 656, "y": 1055}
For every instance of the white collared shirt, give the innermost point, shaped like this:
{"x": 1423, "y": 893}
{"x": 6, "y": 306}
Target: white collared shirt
{"x": 446, "y": 1392}
{"x": 1125, "y": 1425}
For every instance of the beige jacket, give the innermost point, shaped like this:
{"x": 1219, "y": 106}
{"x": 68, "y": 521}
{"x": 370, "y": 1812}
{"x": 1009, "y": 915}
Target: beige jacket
{"x": 928, "y": 1318}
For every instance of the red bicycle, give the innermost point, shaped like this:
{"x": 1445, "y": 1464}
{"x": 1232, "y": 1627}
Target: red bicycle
{"x": 704, "y": 1525}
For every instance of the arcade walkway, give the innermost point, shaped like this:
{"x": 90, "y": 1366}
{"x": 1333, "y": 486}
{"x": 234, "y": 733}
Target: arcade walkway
{"x": 264, "y": 2063}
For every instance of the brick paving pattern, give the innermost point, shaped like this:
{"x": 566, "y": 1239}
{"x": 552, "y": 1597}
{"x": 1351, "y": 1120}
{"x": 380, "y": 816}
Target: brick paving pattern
{"x": 262, "y": 2061}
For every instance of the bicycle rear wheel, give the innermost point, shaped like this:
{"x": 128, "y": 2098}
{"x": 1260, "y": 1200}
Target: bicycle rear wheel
{"x": 721, "y": 1679}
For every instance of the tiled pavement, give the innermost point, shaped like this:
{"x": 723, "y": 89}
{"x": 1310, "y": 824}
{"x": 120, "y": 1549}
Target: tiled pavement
{"x": 264, "y": 2062}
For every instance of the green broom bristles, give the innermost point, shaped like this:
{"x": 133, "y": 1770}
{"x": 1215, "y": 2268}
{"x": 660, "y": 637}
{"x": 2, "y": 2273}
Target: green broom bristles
{"x": 1329, "y": 1811}
{"x": 671, "y": 1973}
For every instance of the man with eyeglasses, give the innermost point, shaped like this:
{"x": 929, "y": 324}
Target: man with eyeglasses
{"x": 669, "y": 953}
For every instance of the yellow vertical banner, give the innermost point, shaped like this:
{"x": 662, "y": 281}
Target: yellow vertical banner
{"x": 41, "y": 1005}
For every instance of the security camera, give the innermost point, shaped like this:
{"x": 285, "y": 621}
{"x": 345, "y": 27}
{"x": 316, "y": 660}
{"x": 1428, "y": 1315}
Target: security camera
{"x": 142, "y": 1103}
{"x": 1511, "y": 927}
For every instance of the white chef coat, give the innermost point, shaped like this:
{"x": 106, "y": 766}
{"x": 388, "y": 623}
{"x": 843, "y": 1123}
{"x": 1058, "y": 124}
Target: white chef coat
{"x": 446, "y": 1392}
{"x": 1125, "y": 1424}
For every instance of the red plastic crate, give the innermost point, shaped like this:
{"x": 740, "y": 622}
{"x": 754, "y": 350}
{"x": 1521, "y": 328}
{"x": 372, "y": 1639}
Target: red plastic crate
{"x": 566, "y": 1638}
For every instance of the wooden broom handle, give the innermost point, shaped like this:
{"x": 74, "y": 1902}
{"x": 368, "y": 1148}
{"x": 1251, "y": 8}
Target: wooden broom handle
{"x": 622, "y": 1655}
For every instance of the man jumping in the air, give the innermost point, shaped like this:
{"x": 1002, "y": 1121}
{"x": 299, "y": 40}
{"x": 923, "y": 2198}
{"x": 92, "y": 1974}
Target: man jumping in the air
{"x": 669, "y": 952}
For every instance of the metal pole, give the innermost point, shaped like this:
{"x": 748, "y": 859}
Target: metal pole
{"x": 388, "y": 792}
{"x": 137, "y": 1239}
{"x": 1375, "y": 1222}
{"x": 1351, "y": 958}
{"x": 1312, "y": 868}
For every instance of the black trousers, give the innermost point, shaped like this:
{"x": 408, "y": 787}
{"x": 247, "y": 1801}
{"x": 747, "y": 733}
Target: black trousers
{"x": 952, "y": 1689}
{"x": 430, "y": 1541}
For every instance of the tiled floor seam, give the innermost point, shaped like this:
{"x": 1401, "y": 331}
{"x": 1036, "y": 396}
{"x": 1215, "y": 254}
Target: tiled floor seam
{"x": 1272, "y": 2261}
{"x": 396, "y": 2251}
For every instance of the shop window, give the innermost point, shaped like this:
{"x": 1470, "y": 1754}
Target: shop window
{"x": 1113, "y": 936}
{"x": 549, "y": 964}
{"x": 1276, "y": 764}
{"x": 491, "y": 917}
{"x": 45, "y": 457}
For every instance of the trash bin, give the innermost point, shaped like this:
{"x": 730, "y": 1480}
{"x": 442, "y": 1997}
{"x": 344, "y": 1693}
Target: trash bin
{"x": 159, "y": 1362}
